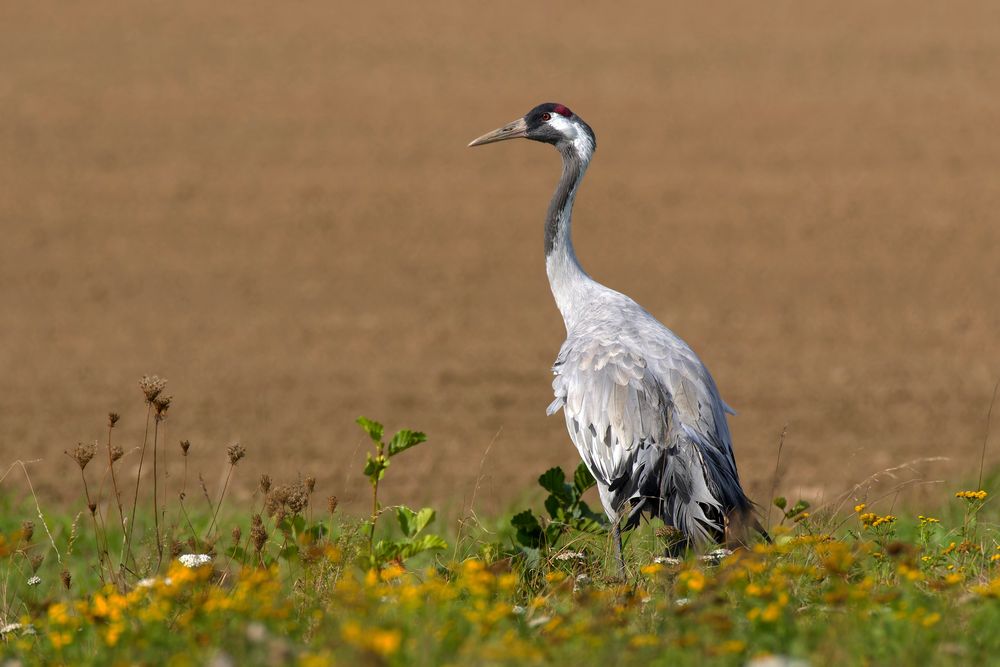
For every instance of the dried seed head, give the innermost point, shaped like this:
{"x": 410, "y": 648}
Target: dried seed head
{"x": 82, "y": 454}
{"x": 36, "y": 562}
{"x": 258, "y": 535}
{"x": 669, "y": 534}
{"x": 113, "y": 419}
{"x": 298, "y": 498}
{"x": 27, "y": 530}
{"x": 177, "y": 548}
{"x": 265, "y": 482}
{"x": 161, "y": 404}
{"x": 276, "y": 499}
{"x": 236, "y": 452}
{"x": 310, "y": 483}
{"x": 185, "y": 446}
{"x": 67, "y": 579}
{"x": 331, "y": 504}
{"x": 237, "y": 534}
{"x": 280, "y": 515}
{"x": 116, "y": 453}
{"x": 151, "y": 386}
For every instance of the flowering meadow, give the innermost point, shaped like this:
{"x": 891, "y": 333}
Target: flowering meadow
{"x": 295, "y": 582}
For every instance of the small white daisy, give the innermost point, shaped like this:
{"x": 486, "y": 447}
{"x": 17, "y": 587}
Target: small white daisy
{"x": 194, "y": 560}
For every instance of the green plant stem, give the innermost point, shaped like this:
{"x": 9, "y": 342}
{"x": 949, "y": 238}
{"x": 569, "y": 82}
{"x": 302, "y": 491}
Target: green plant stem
{"x": 135, "y": 499}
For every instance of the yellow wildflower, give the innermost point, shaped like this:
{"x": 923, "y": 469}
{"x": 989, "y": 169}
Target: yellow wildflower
{"x": 59, "y": 613}
{"x": 652, "y": 569}
{"x": 692, "y": 580}
{"x": 924, "y": 520}
{"x": 971, "y": 495}
{"x": 60, "y": 639}
{"x": 930, "y": 619}
{"x": 733, "y": 646}
{"x": 385, "y": 642}
{"x": 858, "y": 509}
{"x": 639, "y": 641}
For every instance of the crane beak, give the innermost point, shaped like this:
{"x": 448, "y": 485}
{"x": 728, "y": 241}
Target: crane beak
{"x": 515, "y": 130}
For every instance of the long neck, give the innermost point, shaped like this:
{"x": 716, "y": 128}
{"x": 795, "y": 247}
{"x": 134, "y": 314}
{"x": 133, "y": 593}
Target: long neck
{"x": 569, "y": 282}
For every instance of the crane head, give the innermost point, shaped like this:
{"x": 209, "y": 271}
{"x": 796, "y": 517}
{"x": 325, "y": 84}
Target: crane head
{"x": 550, "y": 123}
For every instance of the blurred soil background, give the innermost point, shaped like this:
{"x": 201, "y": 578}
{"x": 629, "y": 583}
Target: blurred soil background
{"x": 273, "y": 206}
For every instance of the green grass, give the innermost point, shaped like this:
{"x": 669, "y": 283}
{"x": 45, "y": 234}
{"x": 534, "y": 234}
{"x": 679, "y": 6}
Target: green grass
{"x": 902, "y": 592}
{"x": 292, "y": 580}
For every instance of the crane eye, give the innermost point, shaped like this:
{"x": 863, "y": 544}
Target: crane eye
{"x": 546, "y": 117}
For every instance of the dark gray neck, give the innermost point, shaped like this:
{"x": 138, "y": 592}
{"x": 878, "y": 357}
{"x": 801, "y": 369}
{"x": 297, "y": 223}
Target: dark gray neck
{"x": 570, "y": 285}
{"x": 557, "y": 221}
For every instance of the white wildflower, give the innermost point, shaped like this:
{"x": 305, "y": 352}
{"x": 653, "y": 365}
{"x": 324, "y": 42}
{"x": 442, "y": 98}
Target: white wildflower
{"x": 715, "y": 557}
{"x": 194, "y": 560}
{"x": 10, "y": 627}
{"x": 518, "y": 610}
{"x": 34, "y": 581}
{"x": 148, "y": 582}
{"x": 569, "y": 555}
{"x": 667, "y": 560}
{"x": 682, "y": 602}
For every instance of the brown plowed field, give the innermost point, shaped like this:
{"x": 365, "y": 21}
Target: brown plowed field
{"x": 273, "y": 206}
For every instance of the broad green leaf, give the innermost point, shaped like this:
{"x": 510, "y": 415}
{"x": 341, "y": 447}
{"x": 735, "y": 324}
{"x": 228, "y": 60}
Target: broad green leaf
{"x": 429, "y": 542}
{"x": 780, "y": 502}
{"x": 582, "y": 479}
{"x": 405, "y": 439}
{"x": 371, "y": 427}
{"x": 553, "y": 480}
{"x": 800, "y": 507}
{"x": 407, "y": 521}
{"x": 424, "y": 517}
{"x": 555, "y": 508}
{"x": 529, "y": 531}
{"x": 298, "y": 523}
{"x": 289, "y": 552}
{"x": 317, "y": 531}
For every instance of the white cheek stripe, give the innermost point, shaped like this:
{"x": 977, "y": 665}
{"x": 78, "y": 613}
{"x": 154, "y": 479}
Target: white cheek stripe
{"x": 571, "y": 130}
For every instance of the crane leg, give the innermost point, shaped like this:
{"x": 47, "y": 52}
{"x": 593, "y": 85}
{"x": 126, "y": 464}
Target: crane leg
{"x": 616, "y": 537}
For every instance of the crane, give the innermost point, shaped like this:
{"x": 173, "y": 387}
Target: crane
{"x": 640, "y": 406}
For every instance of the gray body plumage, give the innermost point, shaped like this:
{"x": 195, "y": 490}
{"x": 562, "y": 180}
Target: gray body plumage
{"x": 641, "y": 408}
